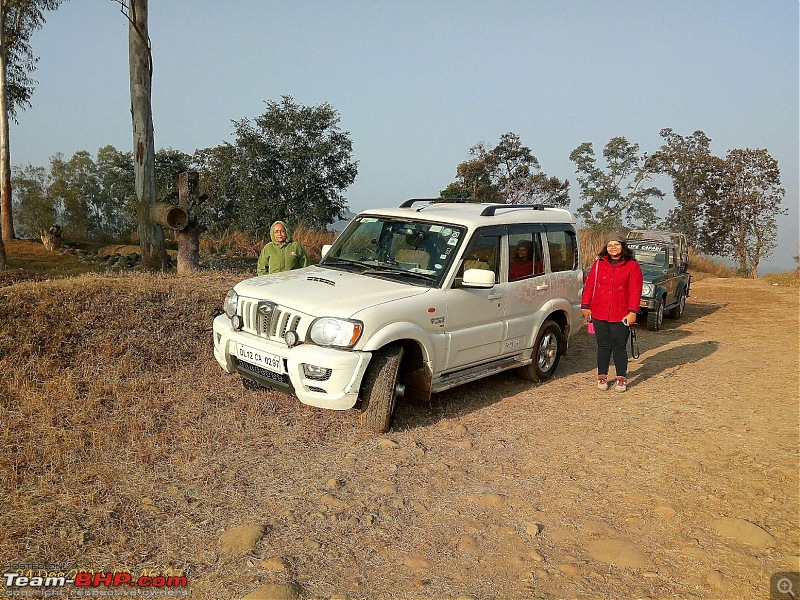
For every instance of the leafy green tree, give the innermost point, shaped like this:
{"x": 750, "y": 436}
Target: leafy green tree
{"x": 18, "y": 20}
{"x": 219, "y": 182}
{"x": 696, "y": 178}
{"x": 740, "y": 222}
{"x": 509, "y": 173}
{"x": 293, "y": 162}
{"x": 618, "y": 195}
{"x": 76, "y": 193}
{"x": 117, "y": 192}
{"x": 32, "y": 206}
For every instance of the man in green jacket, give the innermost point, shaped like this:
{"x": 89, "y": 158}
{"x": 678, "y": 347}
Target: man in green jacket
{"x": 281, "y": 254}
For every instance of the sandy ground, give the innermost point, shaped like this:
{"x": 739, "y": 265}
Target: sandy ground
{"x": 686, "y": 486}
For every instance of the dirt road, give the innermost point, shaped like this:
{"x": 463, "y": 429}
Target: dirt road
{"x": 685, "y": 486}
{"x": 148, "y": 456}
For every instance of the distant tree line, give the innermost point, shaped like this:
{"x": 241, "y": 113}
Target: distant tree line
{"x": 292, "y": 162}
{"x": 725, "y": 206}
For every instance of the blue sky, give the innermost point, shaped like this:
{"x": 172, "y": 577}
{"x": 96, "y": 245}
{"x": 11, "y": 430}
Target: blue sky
{"x": 417, "y": 83}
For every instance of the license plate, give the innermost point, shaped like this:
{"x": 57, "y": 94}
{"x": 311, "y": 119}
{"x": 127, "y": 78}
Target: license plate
{"x": 259, "y": 358}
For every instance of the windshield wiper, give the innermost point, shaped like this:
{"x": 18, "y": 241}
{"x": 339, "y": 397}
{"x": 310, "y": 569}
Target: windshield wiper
{"x": 380, "y": 270}
{"x": 341, "y": 261}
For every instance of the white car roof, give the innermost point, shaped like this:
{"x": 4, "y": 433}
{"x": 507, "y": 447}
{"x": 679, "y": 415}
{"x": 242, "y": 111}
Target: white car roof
{"x": 475, "y": 214}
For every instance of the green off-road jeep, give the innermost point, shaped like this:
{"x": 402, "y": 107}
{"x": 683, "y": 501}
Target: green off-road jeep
{"x": 664, "y": 258}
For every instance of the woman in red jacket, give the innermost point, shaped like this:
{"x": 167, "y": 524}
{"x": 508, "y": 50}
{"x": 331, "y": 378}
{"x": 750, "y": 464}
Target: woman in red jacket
{"x": 611, "y": 301}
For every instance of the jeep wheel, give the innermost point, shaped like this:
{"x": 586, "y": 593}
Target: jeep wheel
{"x": 547, "y": 351}
{"x": 380, "y": 389}
{"x": 655, "y": 316}
{"x": 677, "y": 311}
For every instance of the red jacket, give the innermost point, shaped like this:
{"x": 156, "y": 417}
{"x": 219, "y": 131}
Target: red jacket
{"x": 612, "y": 291}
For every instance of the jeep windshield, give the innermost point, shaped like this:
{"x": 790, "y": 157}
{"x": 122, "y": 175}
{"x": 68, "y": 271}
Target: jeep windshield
{"x": 650, "y": 256}
{"x": 415, "y": 252}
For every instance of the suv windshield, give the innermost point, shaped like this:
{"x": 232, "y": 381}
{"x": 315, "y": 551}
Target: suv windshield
{"x": 649, "y": 256}
{"x": 416, "y": 252}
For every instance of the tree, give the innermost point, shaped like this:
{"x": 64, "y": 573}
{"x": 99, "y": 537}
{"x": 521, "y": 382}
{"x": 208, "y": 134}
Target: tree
{"x": 151, "y": 236}
{"x": 33, "y": 207}
{"x": 18, "y": 20}
{"x": 293, "y": 163}
{"x": 616, "y": 196}
{"x": 695, "y": 175}
{"x": 509, "y": 173}
{"x": 118, "y": 191}
{"x": 741, "y": 222}
{"x": 218, "y": 181}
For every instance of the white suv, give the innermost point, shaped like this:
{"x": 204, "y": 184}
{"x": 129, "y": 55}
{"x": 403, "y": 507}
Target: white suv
{"x": 410, "y": 301}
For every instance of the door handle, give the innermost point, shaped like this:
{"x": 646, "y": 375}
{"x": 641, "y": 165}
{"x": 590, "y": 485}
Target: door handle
{"x": 494, "y": 296}
{"x": 544, "y": 286}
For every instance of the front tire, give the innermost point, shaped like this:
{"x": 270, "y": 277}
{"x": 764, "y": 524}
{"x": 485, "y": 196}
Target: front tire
{"x": 547, "y": 351}
{"x": 655, "y": 317}
{"x": 380, "y": 389}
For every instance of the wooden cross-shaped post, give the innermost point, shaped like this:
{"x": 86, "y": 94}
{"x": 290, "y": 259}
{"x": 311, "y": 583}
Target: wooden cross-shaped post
{"x": 189, "y": 237}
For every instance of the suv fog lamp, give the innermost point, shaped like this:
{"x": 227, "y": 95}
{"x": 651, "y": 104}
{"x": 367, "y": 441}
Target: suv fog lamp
{"x": 231, "y": 303}
{"x": 316, "y": 373}
{"x": 291, "y": 339}
{"x": 236, "y": 322}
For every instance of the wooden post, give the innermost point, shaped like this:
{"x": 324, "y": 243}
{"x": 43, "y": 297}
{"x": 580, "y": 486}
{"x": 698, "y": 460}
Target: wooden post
{"x": 189, "y": 236}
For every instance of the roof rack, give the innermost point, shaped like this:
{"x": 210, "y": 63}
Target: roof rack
{"x": 411, "y": 201}
{"x": 490, "y": 211}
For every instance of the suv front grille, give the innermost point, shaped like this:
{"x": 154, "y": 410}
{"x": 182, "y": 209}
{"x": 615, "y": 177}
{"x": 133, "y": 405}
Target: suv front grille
{"x": 271, "y": 324}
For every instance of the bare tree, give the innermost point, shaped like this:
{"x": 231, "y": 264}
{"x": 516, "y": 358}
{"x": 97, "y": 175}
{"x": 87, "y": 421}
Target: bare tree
{"x": 151, "y": 236}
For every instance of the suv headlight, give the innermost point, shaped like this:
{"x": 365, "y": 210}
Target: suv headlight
{"x": 330, "y": 331}
{"x": 647, "y": 289}
{"x": 231, "y": 303}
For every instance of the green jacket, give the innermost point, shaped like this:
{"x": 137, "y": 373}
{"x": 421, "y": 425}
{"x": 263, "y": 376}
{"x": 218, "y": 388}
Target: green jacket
{"x": 277, "y": 257}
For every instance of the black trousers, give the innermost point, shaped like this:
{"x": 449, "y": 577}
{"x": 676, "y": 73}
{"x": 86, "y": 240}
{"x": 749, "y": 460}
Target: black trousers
{"x": 612, "y": 339}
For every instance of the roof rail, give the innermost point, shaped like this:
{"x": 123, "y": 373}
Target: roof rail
{"x": 411, "y": 201}
{"x": 490, "y": 211}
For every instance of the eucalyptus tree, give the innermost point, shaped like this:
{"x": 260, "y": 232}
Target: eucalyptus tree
{"x": 617, "y": 195}
{"x": 18, "y": 20}
{"x": 33, "y": 208}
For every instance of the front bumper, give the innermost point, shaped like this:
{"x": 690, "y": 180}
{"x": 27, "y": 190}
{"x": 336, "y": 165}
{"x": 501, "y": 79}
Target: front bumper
{"x": 339, "y": 391}
{"x": 647, "y": 303}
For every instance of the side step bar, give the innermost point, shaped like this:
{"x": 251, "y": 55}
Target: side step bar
{"x": 451, "y": 380}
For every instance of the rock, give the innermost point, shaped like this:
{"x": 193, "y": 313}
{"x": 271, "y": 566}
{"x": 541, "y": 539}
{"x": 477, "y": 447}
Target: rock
{"x": 275, "y": 563}
{"x": 534, "y": 529}
{"x": 274, "y": 591}
{"x": 468, "y": 545}
{"x": 536, "y": 555}
{"x": 622, "y": 553}
{"x": 717, "y": 581}
{"x": 387, "y": 490}
{"x": 666, "y": 511}
{"x": 695, "y": 552}
{"x": 465, "y": 444}
{"x": 241, "y": 539}
{"x": 387, "y": 443}
{"x": 416, "y": 561}
{"x": 311, "y": 544}
{"x": 419, "y": 507}
{"x": 334, "y": 484}
{"x": 598, "y": 527}
{"x": 333, "y": 501}
{"x": 569, "y": 569}
{"x": 490, "y": 500}
{"x": 744, "y": 532}
{"x": 458, "y": 429}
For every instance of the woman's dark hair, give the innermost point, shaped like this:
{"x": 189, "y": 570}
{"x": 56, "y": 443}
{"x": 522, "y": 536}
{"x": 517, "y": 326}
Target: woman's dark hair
{"x": 527, "y": 244}
{"x": 627, "y": 253}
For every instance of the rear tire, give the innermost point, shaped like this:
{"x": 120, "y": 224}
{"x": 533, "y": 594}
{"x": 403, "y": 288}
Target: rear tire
{"x": 547, "y": 351}
{"x": 380, "y": 389}
{"x": 677, "y": 311}
{"x": 655, "y": 316}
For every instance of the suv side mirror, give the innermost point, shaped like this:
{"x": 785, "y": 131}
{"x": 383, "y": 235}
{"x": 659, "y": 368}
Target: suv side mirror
{"x": 478, "y": 278}
{"x": 325, "y": 249}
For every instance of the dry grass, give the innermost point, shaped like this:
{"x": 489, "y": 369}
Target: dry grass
{"x": 237, "y": 243}
{"x": 791, "y": 279}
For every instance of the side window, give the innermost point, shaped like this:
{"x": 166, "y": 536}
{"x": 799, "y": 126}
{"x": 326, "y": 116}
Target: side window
{"x": 483, "y": 253}
{"x": 525, "y": 256}
{"x": 563, "y": 248}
